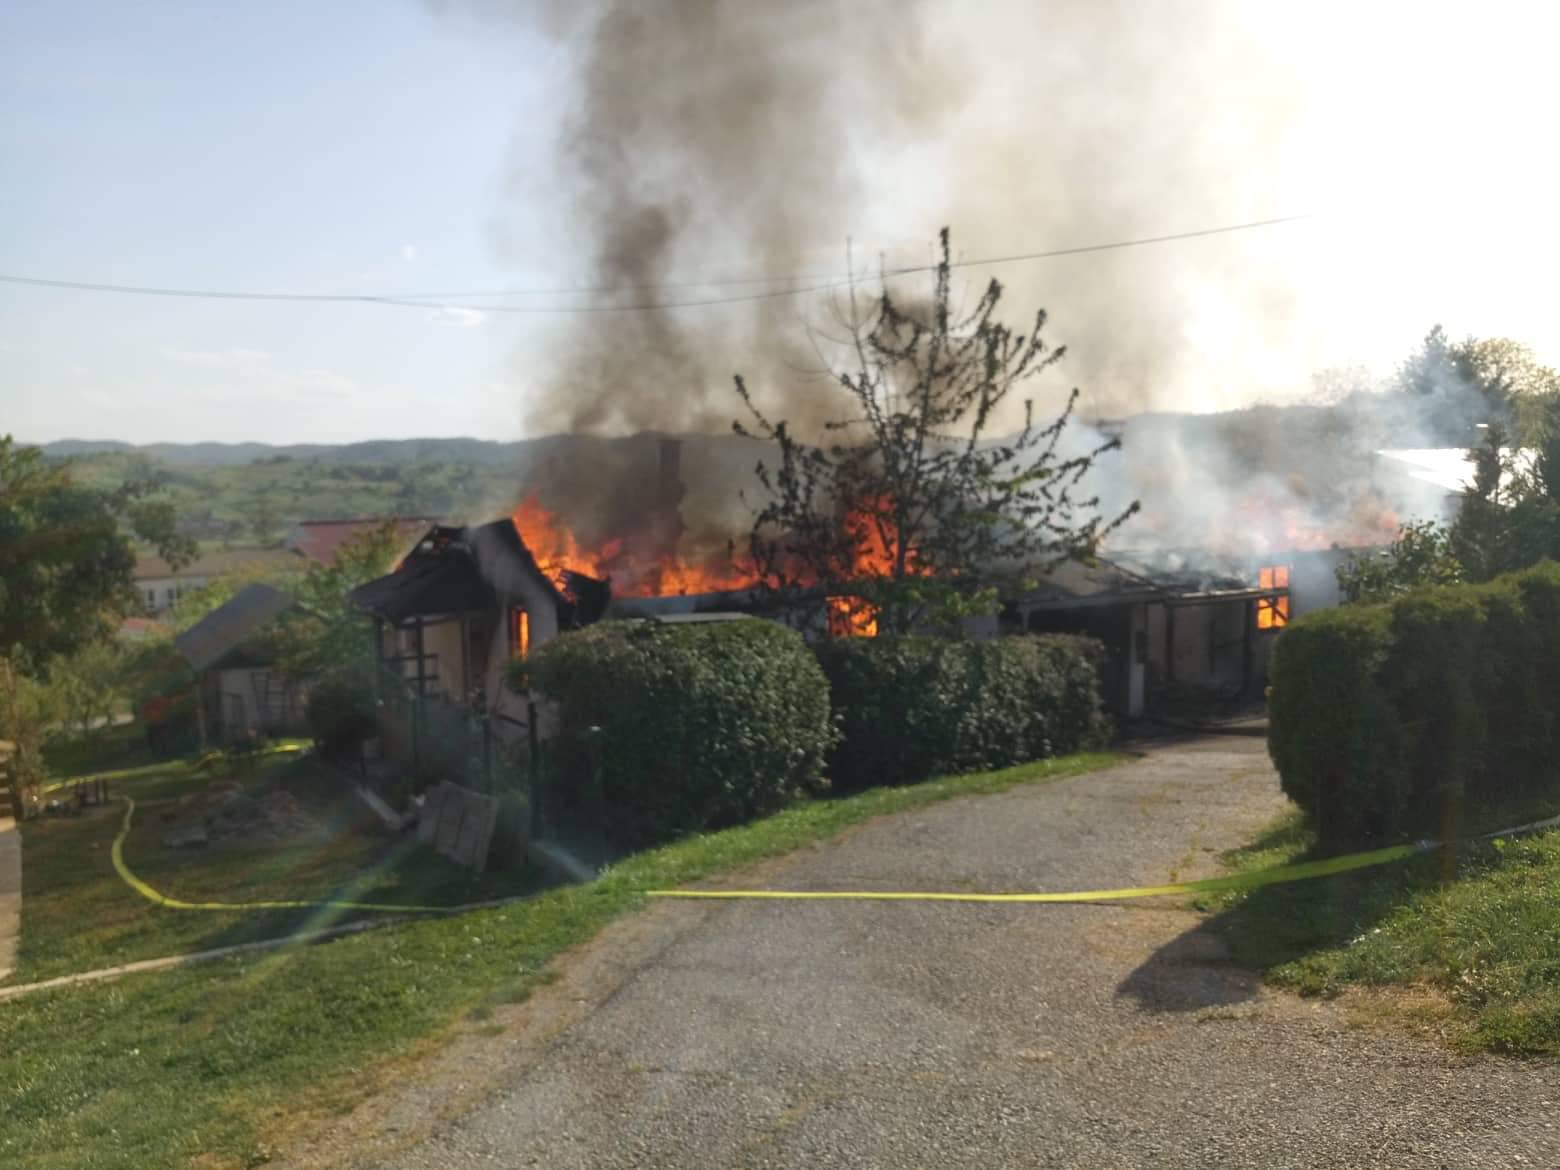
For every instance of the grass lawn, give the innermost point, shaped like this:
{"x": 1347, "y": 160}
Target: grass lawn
{"x": 77, "y": 914}
{"x": 1487, "y": 946}
{"x": 156, "y": 1069}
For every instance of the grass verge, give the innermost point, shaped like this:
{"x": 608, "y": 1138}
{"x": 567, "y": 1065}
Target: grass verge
{"x": 154, "y": 1070}
{"x": 1487, "y": 943}
{"x": 77, "y": 914}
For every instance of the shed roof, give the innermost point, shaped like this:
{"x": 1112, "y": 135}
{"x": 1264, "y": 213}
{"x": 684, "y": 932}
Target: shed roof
{"x": 1074, "y": 584}
{"x": 231, "y": 624}
{"x": 452, "y": 570}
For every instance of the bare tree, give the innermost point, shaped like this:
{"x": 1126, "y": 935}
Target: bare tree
{"x": 907, "y": 513}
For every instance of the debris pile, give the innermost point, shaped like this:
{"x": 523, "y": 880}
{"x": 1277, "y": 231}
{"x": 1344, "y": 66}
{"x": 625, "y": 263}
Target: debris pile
{"x": 271, "y": 816}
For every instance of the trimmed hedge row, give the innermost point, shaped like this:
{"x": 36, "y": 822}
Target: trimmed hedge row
{"x": 669, "y": 729}
{"x": 1376, "y": 711}
{"x": 913, "y": 707}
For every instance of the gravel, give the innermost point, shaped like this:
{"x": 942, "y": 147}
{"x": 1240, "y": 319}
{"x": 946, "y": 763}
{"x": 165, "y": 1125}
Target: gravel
{"x": 823, "y": 1034}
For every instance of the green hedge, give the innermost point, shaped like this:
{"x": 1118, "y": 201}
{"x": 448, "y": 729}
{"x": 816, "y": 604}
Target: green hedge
{"x": 1378, "y": 712}
{"x": 914, "y": 707}
{"x": 700, "y": 726}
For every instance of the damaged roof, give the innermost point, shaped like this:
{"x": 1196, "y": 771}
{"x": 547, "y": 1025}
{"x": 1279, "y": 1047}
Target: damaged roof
{"x": 1074, "y": 584}
{"x": 452, "y": 570}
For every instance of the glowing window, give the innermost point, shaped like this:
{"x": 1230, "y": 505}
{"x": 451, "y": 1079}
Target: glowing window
{"x": 851, "y": 617}
{"x": 1273, "y": 612}
{"x": 520, "y": 623}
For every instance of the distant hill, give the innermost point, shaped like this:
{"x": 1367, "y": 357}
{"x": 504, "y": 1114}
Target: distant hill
{"x": 381, "y": 452}
{"x": 1198, "y": 476}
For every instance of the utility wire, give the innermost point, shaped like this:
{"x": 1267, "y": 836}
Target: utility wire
{"x": 447, "y": 300}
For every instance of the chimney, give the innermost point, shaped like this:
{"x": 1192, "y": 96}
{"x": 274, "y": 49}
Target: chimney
{"x": 669, "y": 485}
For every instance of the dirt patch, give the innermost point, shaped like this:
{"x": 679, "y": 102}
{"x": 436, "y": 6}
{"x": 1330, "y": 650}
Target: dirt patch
{"x": 233, "y": 815}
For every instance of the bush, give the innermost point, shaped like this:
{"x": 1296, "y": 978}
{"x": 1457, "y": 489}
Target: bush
{"x": 1380, "y": 714}
{"x": 341, "y": 712}
{"x": 913, "y": 707}
{"x": 700, "y": 726}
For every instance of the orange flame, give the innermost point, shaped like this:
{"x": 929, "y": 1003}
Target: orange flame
{"x": 852, "y": 617}
{"x": 635, "y": 574}
{"x": 557, "y": 550}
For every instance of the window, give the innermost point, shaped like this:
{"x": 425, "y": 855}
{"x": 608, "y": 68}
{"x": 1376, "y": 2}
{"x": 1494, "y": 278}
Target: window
{"x": 520, "y": 630}
{"x": 151, "y": 599}
{"x": 851, "y": 617}
{"x": 1273, "y": 612}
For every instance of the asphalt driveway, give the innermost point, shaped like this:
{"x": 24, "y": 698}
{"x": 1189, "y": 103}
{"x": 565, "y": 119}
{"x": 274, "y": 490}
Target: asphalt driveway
{"x": 815, "y": 1034}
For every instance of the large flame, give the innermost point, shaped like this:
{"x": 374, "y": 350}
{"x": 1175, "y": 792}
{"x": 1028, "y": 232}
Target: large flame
{"x": 870, "y": 527}
{"x": 634, "y": 574}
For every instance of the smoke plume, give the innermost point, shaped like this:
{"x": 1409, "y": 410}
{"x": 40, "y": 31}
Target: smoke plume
{"x": 736, "y": 137}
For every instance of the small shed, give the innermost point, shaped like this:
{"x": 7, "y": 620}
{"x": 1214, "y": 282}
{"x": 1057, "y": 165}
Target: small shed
{"x": 241, "y": 691}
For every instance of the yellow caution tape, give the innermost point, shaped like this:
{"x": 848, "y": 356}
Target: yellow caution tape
{"x": 1249, "y": 881}
{"x": 161, "y": 899}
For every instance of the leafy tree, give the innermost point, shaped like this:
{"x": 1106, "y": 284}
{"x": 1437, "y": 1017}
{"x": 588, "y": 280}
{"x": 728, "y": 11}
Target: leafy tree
{"x": 1479, "y": 381}
{"x": 90, "y": 684}
{"x": 27, "y": 709}
{"x": 1509, "y": 519}
{"x": 326, "y": 635}
{"x": 1481, "y": 535}
{"x": 1421, "y": 555}
{"x": 911, "y": 508}
{"x": 66, "y": 555}
{"x": 1521, "y": 391}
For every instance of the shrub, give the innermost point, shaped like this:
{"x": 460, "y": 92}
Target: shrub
{"x": 1331, "y": 730}
{"x": 341, "y": 712}
{"x": 1379, "y": 713}
{"x": 912, "y": 707}
{"x": 700, "y": 725}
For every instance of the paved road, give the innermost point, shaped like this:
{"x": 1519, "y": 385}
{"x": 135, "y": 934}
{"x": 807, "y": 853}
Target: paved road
{"x": 935, "y": 1035}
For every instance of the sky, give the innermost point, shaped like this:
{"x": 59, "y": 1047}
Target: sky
{"x": 391, "y": 147}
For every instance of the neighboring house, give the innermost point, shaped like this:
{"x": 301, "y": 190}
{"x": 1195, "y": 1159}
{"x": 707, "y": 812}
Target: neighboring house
{"x": 318, "y": 541}
{"x": 158, "y": 584}
{"x": 240, "y": 690}
{"x": 1162, "y": 632}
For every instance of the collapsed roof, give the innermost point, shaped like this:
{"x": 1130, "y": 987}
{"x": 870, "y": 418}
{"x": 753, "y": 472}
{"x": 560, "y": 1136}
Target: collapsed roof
{"x": 454, "y": 570}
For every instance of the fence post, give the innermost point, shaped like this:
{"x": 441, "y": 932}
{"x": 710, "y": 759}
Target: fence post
{"x": 416, "y": 743}
{"x": 533, "y": 742}
{"x": 487, "y": 755}
{"x": 1451, "y": 818}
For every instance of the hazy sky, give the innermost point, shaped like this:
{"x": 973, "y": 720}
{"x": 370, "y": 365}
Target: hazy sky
{"x": 387, "y": 147}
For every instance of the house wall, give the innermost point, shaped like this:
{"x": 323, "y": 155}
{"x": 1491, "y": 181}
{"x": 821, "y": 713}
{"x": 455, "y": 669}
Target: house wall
{"x": 442, "y": 647}
{"x": 1313, "y": 580}
{"x": 1207, "y": 647}
{"x": 244, "y": 703}
{"x": 543, "y": 614}
{"x": 157, "y": 594}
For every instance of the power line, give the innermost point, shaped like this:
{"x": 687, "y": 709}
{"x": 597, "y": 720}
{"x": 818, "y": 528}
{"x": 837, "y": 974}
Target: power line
{"x": 448, "y": 300}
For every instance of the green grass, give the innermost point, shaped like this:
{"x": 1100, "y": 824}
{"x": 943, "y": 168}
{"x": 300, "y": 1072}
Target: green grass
{"x": 108, "y": 749}
{"x": 153, "y": 1070}
{"x": 78, "y": 914}
{"x": 1488, "y": 942}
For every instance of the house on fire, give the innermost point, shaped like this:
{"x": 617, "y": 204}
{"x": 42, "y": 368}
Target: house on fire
{"x": 463, "y": 604}
{"x": 1163, "y": 632}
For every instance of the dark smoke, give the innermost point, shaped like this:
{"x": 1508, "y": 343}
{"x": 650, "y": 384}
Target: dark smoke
{"x": 737, "y": 137}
